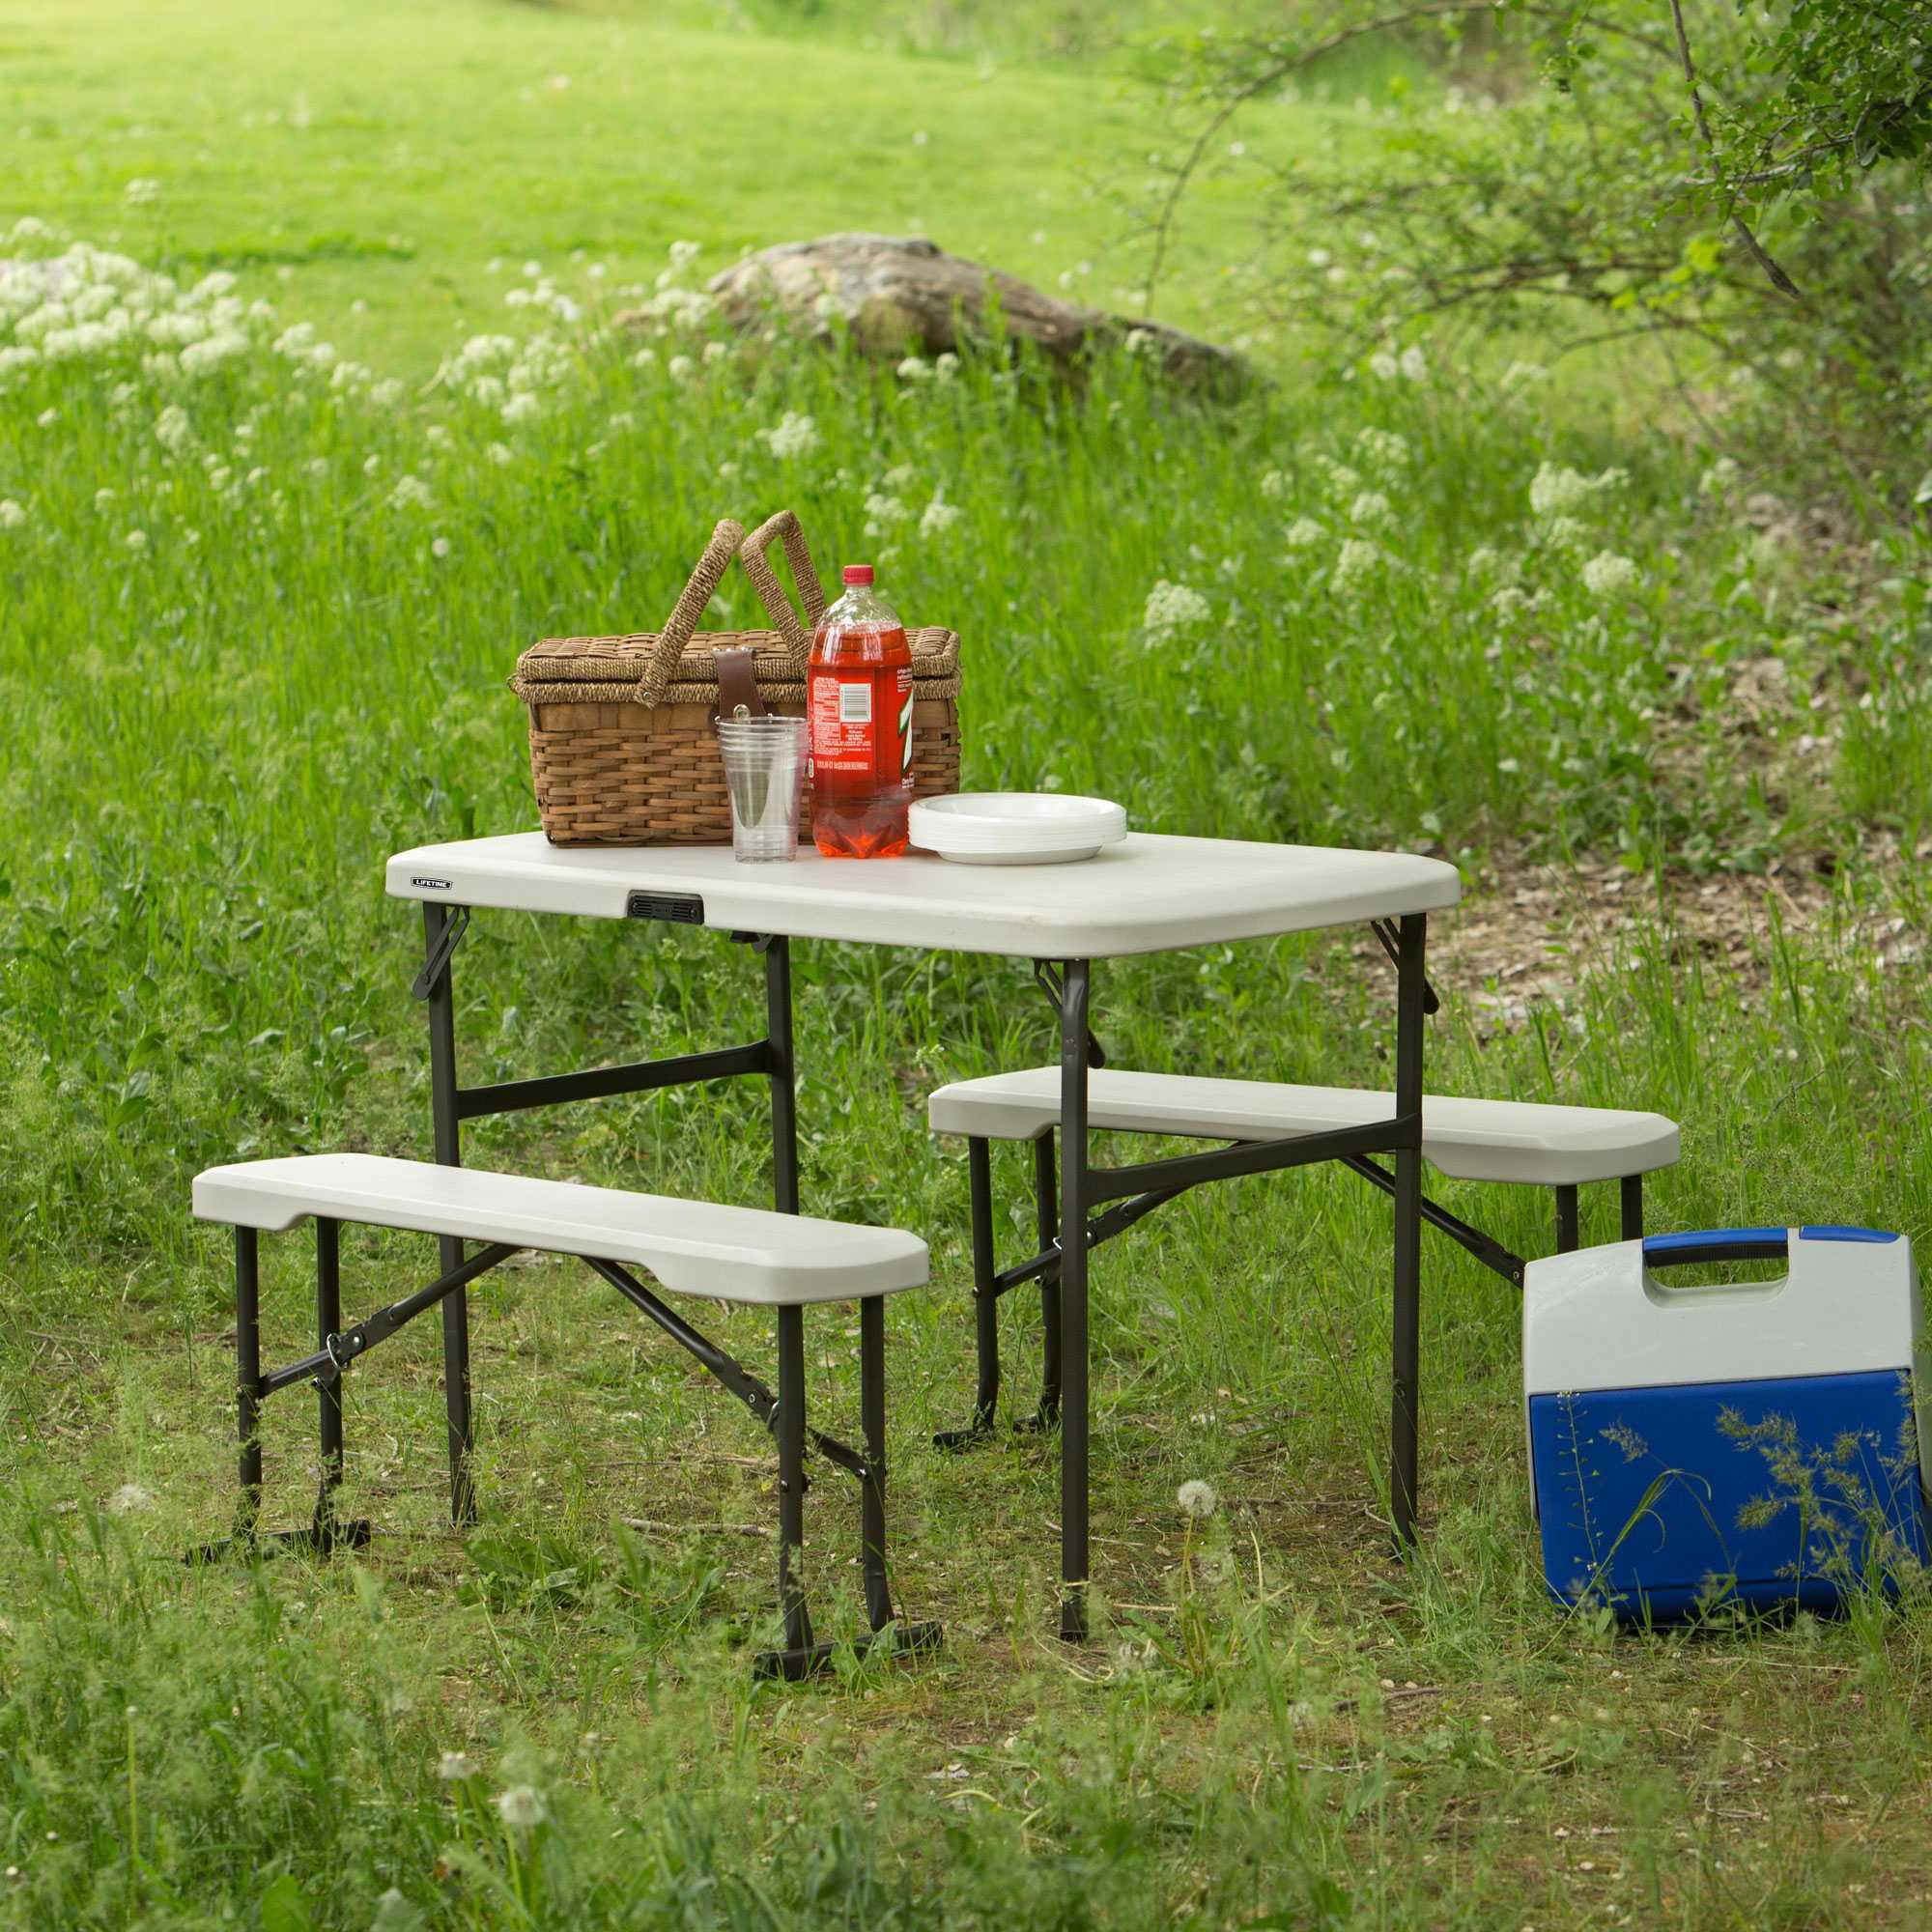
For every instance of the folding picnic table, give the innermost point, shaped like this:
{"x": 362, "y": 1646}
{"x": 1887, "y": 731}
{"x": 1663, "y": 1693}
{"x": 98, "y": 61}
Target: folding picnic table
{"x": 1149, "y": 894}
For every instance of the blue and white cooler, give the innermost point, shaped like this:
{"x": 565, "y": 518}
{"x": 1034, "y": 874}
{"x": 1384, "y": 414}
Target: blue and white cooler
{"x": 1754, "y": 1442}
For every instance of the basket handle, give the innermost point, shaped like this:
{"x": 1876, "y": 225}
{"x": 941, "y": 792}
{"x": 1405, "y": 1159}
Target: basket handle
{"x": 786, "y": 527}
{"x": 661, "y": 667}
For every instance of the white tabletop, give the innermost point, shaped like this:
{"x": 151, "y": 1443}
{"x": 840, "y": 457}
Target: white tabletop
{"x": 1149, "y": 894}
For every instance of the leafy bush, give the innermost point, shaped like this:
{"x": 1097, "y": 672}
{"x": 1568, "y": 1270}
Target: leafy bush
{"x": 1742, "y": 187}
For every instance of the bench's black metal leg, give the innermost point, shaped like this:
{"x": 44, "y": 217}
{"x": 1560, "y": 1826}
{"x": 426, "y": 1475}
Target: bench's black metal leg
{"x": 872, "y": 1486}
{"x": 448, "y": 1152}
{"x": 985, "y": 1303}
{"x": 248, "y": 1379}
{"x": 1074, "y": 1419}
{"x": 1568, "y": 1239}
{"x": 1630, "y": 1190}
{"x": 1046, "y": 1217}
{"x": 328, "y": 1388}
{"x": 785, "y": 1098}
{"x": 1406, "y": 1338}
{"x": 790, "y": 1420}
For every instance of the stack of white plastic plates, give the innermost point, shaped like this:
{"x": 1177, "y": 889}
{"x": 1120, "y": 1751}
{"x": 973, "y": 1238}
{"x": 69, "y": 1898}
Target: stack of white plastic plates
{"x": 1015, "y": 828}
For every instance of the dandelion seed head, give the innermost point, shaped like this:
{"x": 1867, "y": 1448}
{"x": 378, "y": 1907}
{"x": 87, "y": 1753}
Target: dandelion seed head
{"x": 523, "y": 1808}
{"x": 453, "y": 1767}
{"x": 1197, "y": 1499}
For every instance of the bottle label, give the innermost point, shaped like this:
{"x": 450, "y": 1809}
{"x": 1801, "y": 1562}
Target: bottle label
{"x": 861, "y": 728}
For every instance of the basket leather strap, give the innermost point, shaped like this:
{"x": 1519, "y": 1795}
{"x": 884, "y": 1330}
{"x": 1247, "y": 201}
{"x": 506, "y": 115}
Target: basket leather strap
{"x": 737, "y": 668}
{"x": 786, "y": 527}
{"x": 661, "y": 667}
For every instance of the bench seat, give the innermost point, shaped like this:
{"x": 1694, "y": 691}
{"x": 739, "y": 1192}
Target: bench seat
{"x": 1471, "y": 1140}
{"x": 693, "y": 1247}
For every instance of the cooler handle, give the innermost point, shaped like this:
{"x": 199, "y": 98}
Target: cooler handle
{"x": 1716, "y": 1244}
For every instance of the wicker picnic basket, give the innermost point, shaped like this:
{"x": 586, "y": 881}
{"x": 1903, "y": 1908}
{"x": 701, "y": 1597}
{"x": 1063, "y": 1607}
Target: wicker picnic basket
{"x": 622, "y": 745}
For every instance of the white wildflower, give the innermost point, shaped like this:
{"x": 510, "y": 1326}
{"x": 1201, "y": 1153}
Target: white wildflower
{"x": 142, "y": 189}
{"x": 1553, "y": 490}
{"x": 622, "y": 419}
{"x": 129, "y": 1496}
{"x": 1716, "y": 481}
{"x": 455, "y": 1766}
{"x": 1304, "y": 533}
{"x": 48, "y": 418}
{"x": 18, "y": 356}
{"x": 411, "y": 493}
{"x": 1369, "y": 507}
{"x": 901, "y": 476}
{"x": 915, "y": 369}
{"x": 136, "y": 541}
{"x": 489, "y": 392}
{"x": 1508, "y": 601}
{"x": 439, "y": 548}
{"x": 521, "y": 1807}
{"x": 173, "y": 430}
{"x": 679, "y": 367}
{"x": 1481, "y": 561}
{"x": 795, "y": 436}
{"x": 1606, "y": 574}
{"x": 1274, "y": 485}
{"x": 946, "y": 365}
{"x": 102, "y": 497}
{"x": 500, "y": 454}
{"x": 11, "y": 515}
{"x": 645, "y": 358}
{"x": 1171, "y": 608}
{"x": 940, "y": 516}
{"x": 372, "y": 465}
{"x": 1343, "y": 481}
{"x": 882, "y": 511}
{"x": 522, "y": 408}
{"x": 1358, "y": 563}
{"x": 1383, "y": 450}
{"x": 683, "y": 254}
{"x": 1197, "y": 1499}
{"x": 1318, "y": 258}
{"x": 1383, "y": 366}
{"x": 387, "y": 393}
{"x": 1564, "y": 533}
{"x": 197, "y": 359}
{"x": 1414, "y": 365}
{"x": 716, "y": 351}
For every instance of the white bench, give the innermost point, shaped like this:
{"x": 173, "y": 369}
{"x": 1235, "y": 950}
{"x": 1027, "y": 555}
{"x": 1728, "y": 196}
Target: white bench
{"x": 1527, "y": 1142}
{"x": 783, "y": 1262}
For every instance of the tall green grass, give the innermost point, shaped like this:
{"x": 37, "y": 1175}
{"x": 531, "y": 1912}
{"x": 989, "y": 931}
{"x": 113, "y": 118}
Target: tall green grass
{"x": 214, "y": 735}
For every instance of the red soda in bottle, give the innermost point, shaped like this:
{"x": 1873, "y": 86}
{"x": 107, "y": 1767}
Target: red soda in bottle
{"x": 859, "y": 699}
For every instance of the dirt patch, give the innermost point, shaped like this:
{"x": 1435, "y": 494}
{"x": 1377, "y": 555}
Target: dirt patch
{"x": 1528, "y": 932}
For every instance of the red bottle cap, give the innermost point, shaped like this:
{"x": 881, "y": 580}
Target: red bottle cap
{"x": 858, "y": 573}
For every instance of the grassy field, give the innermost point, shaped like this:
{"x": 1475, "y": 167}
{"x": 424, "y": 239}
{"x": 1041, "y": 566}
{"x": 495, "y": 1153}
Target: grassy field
{"x": 259, "y": 602}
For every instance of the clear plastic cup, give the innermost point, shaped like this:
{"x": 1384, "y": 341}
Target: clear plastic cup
{"x": 765, "y": 771}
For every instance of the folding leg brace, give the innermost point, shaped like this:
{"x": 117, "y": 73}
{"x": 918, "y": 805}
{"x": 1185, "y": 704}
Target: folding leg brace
{"x": 783, "y": 1414}
{"x": 990, "y": 1283}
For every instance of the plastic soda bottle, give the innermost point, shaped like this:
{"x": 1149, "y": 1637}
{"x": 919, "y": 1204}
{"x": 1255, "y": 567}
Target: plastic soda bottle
{"x": 859, "y": 698}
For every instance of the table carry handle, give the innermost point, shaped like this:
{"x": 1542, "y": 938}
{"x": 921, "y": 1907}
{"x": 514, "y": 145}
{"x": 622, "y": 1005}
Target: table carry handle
{"x": 661, "y": 667}
{"x": 786, "y": 527}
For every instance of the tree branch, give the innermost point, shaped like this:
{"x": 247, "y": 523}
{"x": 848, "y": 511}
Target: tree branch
{"x": 1279, "y": 70}
{"x": 1779, "y": 280}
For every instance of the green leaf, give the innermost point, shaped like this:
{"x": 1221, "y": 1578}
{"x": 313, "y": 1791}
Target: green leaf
{"x": 283, "y": 1907}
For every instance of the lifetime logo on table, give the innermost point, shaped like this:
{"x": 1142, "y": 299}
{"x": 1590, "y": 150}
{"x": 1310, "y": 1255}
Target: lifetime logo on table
{"x": 432, "y": 885}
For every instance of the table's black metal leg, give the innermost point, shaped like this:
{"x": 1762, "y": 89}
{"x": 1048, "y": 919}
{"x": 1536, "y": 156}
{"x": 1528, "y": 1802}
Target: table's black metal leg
{"x": 448, "y": 1152}
{"x": 248, "y": 1379}
{"x": 1631, "y": 1202}
{"x": 328, "y": 1388}
{"x": 1568, "y": 1236}
{"x": 790, "y": 1429}
{"x": 1074, "y": 1419}
{"x": 1046, "y": 1217}
{"x": 784, "y": 1097}
{"x": 1405, "y": 1338}
{"x": 872, "y": 1486}
{"x": 985, "y": 1302}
